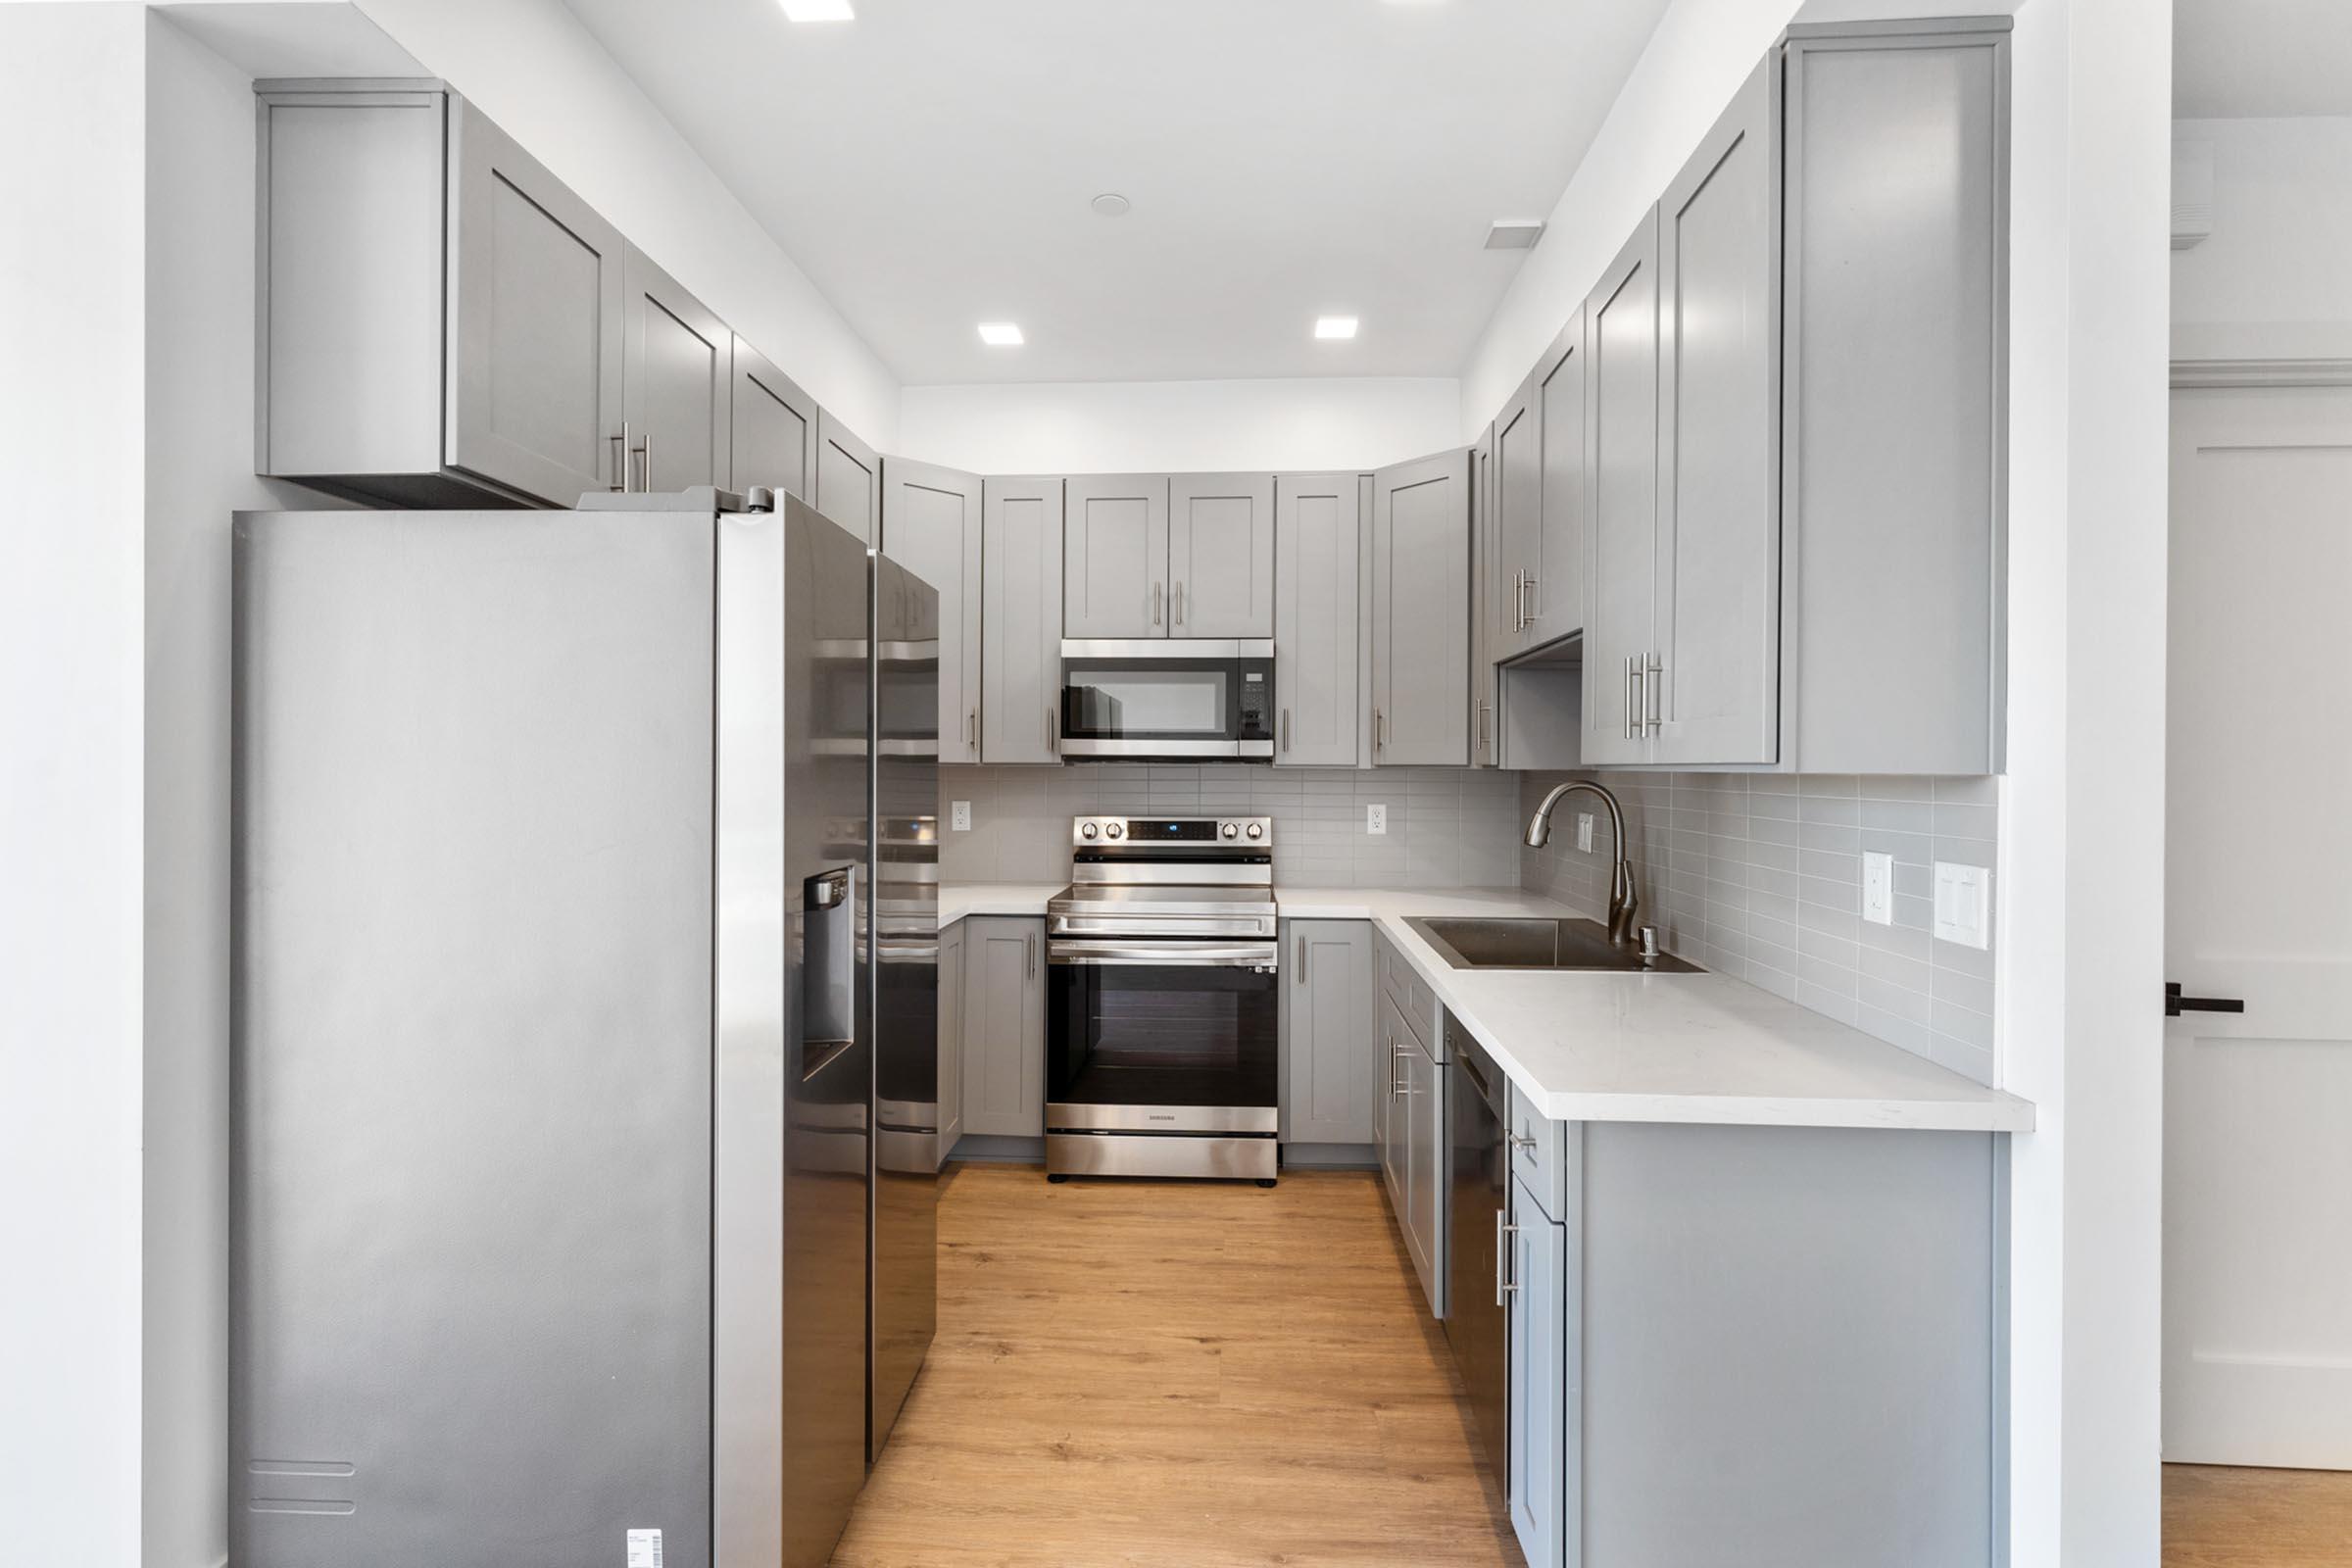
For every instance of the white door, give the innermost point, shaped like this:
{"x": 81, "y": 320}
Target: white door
{"x": 2258, "y": 906}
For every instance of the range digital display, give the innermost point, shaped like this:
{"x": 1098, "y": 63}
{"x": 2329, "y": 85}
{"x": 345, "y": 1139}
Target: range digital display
{"x": 1147, "y": 829}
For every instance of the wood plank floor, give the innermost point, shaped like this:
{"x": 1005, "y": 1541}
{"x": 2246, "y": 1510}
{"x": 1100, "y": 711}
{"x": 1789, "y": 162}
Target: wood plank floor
{"x": 2221, "y": 1517}
{"x": 1174, "y": 1373}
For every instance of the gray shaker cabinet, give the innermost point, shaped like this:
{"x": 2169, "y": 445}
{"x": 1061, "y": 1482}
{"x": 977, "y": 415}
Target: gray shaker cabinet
{"x": 849, "y": 479}
{"x": 1421, "y": 611}
{"x": 1714, "y": 672}
{"x": 1486, "y": 606}
{"x": 952, "y": 991}
{"x": 679, "y": 373}
{"x": 1318, "y": 529}
{"x": 439, "y": 319}
{"x": 1555, "y": 562}
{"x": 931, "y": 523}
{"x": 1115, "y": 556}
{"x": 1004, "y": 1067}
{"x": 1020, "y": 620}
{"x": 1331, "y": 1049}
{"x": 1221, "y": 555}
{"x": 1518, "y": 500}
{"x": 1621, "y": 442}
{"x": 773, "y": 425}
{"x": 1537, "y": 1292}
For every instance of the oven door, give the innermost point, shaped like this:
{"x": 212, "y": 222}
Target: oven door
{"x": 1162, "y": 1036}
{"x": 1123, "y": 702}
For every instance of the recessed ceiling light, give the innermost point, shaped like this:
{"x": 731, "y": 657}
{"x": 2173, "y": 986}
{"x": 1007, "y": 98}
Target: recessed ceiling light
{"x": 819, "y": 11}
{"x": 1001, "y": 334}
{"x": 1110, "y": 204}
{"x": 1335, "y": 326}
{"x": 1514, "y": 233}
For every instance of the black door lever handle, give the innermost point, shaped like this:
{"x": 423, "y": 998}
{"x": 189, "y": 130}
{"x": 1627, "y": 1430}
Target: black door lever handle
{"x": 2175, "y": 1004}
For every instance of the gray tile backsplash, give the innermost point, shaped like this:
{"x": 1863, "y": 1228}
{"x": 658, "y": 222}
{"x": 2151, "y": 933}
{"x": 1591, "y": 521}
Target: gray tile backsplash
{"x": 1448, "y": 826}
{"x": 1760, "y": 877}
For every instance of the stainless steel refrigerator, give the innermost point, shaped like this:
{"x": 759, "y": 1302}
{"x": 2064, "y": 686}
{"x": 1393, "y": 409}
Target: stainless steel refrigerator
{"x": 556, "y": 1035}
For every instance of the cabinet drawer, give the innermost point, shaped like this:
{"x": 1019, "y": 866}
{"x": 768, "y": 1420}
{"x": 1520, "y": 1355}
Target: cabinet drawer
{"x": 1538, "y": 1154}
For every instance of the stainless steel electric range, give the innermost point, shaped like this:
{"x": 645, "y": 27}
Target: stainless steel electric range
{"x": 1162, "y": 1001}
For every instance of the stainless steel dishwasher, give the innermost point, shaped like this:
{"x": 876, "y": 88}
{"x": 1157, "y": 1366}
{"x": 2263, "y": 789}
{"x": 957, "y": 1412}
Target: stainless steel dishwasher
{"x": 1477, "y": 1194}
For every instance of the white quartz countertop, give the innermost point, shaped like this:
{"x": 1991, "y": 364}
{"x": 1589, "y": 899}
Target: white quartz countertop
{"x": 1654, "y": 1048}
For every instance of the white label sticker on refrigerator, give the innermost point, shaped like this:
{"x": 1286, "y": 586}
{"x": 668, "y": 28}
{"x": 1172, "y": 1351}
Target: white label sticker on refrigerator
{"x": 645, "y": 1549}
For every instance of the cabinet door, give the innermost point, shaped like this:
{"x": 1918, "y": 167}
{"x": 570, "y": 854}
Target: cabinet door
{"x": 849, "y": 478}
{"x": 1421, "y": 611}
{"x": 1005, "y": 1026}
{"x": 1330, "y": 1046}
{"x": 1485, "y": 569}
{"x": 1390, "y": 1119}
{"x": 1115, "y": 552}
{"x": 1621, "y": 446}
{"x": 1221, "y": 555}
{"x": 931, "y": 526}
{"x": 772, "y": 427}
{"x": 1538, "y": 1380}
{"x": 951, "y": 1039}
{"x": 1718, "y": 531}
{"x": 1020, "y": 621}
{"x": 1518, "y": 517}
{"x": 1555, "y": 593}
{"x": 1427, "y": 1094}
{"x": 679, "y": 371}
{"x": 1318, "y": 528}
{"x": 537, "y": 302}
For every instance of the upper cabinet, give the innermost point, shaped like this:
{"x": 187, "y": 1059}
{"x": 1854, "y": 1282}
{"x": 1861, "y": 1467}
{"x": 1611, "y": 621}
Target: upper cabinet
{"x": 679, "y": 368}
{"x": 1793, "y": 460}
{"x": 1221, "y": 555}
{"x": 1517, "y": 483}
{"x": 774, "y": 429}
{"x": 849, "y": 479}
{"x": 439, "y": 319}
{"x": 1421, "y": 611}
{"x": 1115, "y": 556}
{"x": 1621, "y": 442}
{"x": 931, "y": 524}
{"x": 1554, "y": 564}
{"x": 1020, "y": 620}
{"x": 1485, "y": 608}
{"x": 1318, "y": 536}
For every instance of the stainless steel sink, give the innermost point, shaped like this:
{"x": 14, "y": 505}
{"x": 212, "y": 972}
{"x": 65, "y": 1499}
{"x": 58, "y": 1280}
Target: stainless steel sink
{"x": 1529, "y": 944}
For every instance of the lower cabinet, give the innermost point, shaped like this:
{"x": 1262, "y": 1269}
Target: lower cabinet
{"x": 951, "y": 1039}
{"x": 1412, "y": 1148}
{"x": 1538, "y": 1397}
{"x": 1004, "y": 1058}
{"x": 1330, "y": 1051}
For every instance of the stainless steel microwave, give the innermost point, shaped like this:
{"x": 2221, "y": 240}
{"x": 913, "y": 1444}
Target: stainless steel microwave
{"x": 1195, "y": 699}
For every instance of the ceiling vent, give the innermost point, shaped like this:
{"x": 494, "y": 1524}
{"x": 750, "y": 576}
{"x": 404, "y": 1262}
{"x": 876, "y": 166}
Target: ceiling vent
{"x": 1515, "y": 234}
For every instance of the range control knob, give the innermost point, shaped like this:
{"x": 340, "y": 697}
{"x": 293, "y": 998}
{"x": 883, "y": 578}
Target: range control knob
{"x": 1117, "y": 830}
{"x": 1229, "y": 830}
{"x": 1088, "y": 831}
{"x": 1258, "y": 830}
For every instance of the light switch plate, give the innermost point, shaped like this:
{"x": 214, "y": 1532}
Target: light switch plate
{"x": 1963, "y": 904}
{"x": 1376, "y": 819}
{"x": 1878, "y": 887}
{"x": 960, "y": 816}
{"x": 1583, "y": 832}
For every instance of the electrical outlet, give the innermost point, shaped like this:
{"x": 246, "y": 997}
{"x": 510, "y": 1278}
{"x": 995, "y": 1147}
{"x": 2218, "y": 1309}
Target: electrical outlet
{"x": 1878, "y": 887}
{"x": 959, "y": 815}
{"x": 1963, "y": 904}
{"x": 1583, "y": 832}
{"x": 1376, "y": 819}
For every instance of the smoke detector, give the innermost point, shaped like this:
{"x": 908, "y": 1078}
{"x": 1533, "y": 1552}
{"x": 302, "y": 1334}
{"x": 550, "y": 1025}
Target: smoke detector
{"x": 1110, "y": 204}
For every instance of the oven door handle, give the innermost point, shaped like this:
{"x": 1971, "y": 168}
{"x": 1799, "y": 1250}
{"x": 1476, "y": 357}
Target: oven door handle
{"x": 1191, "y": 926}
{"x": 1167, "y": 954}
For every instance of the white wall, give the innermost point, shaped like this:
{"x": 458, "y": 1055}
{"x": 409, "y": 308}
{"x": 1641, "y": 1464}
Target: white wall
{"x": 531, "y": 67}
{"x": 2272, "y": 282}
{"x": 72, "y": 318}
{"x": 1179, "y": 426}
{"x": 199, "y": 398}
{"x": 2082, "y": 833}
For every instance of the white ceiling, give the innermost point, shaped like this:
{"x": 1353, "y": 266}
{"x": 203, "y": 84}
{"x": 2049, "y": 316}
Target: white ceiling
{"x": 2258, "y": 59}
{"x": 930, "y": 166}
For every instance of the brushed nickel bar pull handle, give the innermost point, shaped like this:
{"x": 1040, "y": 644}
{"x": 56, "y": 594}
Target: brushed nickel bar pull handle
{"x": 1633, "y": 700}
{"x": 1286, "y": 729}
{"x": 1029, "y": 953}
{"x": 1298, "y": 950}
{"x": 1156, "y": 590}
{"x": 1176, "y": 616}
{"x": 620, "y": 460}
{"x": 1503, "y": 1287}
{"x": 1053, "y": 730}
{"x": 1654, "y": 694}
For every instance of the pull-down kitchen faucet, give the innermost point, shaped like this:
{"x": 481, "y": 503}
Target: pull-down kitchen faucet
{"x": 1623, "y": 899}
